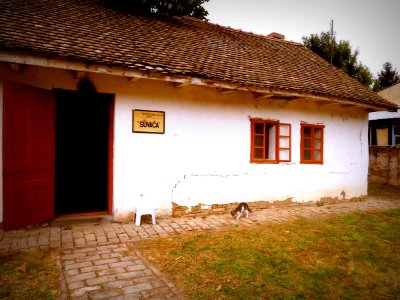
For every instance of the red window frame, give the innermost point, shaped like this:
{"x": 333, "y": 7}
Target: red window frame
{"x": 312, "y": 144}
{"x": 266, "y": 148}
{"x": 285, "y": 142}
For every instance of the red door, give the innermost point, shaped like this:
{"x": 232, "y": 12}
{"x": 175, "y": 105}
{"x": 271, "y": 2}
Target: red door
{"x": 29, "y": 155}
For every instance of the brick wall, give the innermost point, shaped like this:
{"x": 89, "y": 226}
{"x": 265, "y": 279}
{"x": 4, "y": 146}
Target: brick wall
{"x": 384, "y": 165}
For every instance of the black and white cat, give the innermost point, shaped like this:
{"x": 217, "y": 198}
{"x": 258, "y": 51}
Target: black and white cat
{"x": 243, "y": 208}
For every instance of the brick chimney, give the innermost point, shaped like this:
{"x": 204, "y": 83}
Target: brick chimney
{"x": 276, "y": 36}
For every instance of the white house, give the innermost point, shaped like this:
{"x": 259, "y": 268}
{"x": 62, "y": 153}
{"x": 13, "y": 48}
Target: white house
{"x": 384, "y": 126}
{"x": 104, "y": 111}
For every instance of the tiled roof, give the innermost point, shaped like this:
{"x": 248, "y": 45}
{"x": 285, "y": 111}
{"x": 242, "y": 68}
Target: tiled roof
{"x": 89, "y": 31}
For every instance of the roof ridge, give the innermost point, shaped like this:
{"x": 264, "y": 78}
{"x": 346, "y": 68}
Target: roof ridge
{"x": 241, "y": 31}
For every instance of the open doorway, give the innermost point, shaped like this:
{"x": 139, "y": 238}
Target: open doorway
{"x": 82, "y": 168}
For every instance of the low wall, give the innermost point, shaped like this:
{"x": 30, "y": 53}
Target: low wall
{"x": 384, "y": 165}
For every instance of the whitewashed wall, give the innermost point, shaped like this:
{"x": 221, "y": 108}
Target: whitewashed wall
{"x": 204, "y": 155}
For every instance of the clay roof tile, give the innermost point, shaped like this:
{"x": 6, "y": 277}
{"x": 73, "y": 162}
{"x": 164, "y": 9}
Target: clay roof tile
{"x": 91, "y": 31}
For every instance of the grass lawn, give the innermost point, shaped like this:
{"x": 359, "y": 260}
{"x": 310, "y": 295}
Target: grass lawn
{"x": 29, "y": 275}
{"x": 353, "y": 256}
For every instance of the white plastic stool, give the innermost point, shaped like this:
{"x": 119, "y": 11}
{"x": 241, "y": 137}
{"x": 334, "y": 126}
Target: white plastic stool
{"x": 140, "y": 211}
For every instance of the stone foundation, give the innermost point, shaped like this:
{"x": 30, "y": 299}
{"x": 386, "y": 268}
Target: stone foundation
{"x": 331, "y": 200}
{"x": 202, "y": 209}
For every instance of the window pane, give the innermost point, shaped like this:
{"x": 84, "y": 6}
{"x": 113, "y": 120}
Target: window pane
{"x": 284, "y": 155}
{"x": 259, "y": 140}
{"x": 317, "y": 133}
{"x": 307, "y": 143}
{"x": 317, "y": 144}
{"x": 259, "y": 128}
{"x": 307, "y": 131}
{"x": 284, "y": 143}
{"x": 307, "y": 154}
{"x": 284, "y": 130}
{"x": 317, "y": 155}
{"x": 312, "y": 143}
{"x": 258, "y": 153}
{"x": 271, "y": 140}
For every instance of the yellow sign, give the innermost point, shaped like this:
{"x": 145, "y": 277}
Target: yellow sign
{"x": 147, "y": 121}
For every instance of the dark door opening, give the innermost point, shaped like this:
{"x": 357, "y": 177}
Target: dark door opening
{"x": 82, "y": 146}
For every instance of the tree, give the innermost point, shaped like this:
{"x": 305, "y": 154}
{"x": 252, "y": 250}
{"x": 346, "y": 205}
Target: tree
{"x": 386, "y": 78}
{"x": 192, "y": 8}
{"x": 340, "y": 54}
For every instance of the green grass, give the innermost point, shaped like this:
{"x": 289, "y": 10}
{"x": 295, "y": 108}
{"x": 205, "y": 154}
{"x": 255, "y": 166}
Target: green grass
{"x": 29, "y": 275}
{"x": 353, "y": 256}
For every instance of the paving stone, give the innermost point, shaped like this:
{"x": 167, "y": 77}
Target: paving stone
{"x": 100, "y": 280}
{"x": 111, "y": 255}
{"x": 117, "y": 284}
{"x": 137, "y": 288}
{"x": 105, "y": 261}
{"x": 104, "y": 294}
{"x": 80, "y": 277}
{"x": 129, "y": 275}
{"x": 94, "y": 268}
{"x": 135, "y": 267}
{"x": 121, "y": 249}
{"x": 76, "y": 285}
{"x": 107, "y": 248}
{"x": 114, "y": 240}
{"x": 84, "y": 257}
{"x": 90, "y": 237}
{"x": 120, "y": 264}
{"x": 127, "y": 296}
{"x": 111, "y": 271}
{"x": 74, "y": 265}
{"x": 78, "y": 235}
{"x": 84, "y": 290}
{"x": 87, "y": 250}
{"x": 72, "y": 272}
{"x": 73, "y": 256}
{"x": 102, "y": 239}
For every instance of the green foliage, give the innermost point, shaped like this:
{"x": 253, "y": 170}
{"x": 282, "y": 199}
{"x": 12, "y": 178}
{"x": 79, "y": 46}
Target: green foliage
{"x": 192, "y": 8}
{"x": 340, "y": 54}
{"x": 386, "y": 78}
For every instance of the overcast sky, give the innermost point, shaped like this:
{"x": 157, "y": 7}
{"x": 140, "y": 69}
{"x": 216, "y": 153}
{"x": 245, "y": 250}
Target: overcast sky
{"x": 372, "y": 26}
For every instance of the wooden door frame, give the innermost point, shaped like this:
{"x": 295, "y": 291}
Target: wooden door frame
{"x": 110, "y": 190}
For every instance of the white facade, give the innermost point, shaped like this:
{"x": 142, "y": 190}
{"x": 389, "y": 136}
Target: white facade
{"x": 204, "y": 155}
{"x": 392, "y": 94}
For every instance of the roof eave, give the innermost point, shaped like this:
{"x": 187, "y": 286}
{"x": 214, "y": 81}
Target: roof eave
{"x": 182, "y": 80}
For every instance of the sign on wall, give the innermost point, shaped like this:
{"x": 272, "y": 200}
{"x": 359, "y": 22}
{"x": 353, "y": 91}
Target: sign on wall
{"x": 148, "y": 121}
